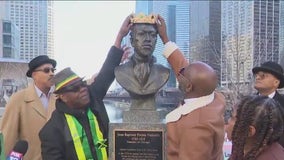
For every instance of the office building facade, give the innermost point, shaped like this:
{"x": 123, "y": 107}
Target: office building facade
{"x": 9, "y": 40}
{"x": 205, "y": 32}
{"x": 250, "y": 36}
{"x": 35, "y": 22}
{"x": 281, "y": 36}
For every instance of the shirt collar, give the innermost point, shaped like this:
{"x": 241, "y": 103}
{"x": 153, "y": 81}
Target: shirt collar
{"x": 272, "y": 94}
{"x": 40, "y": 93}
{"x": 189, "y": 106}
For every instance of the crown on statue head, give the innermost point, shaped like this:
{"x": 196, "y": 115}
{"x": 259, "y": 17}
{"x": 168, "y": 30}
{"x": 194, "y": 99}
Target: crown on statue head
{"x": 142, "y": 18}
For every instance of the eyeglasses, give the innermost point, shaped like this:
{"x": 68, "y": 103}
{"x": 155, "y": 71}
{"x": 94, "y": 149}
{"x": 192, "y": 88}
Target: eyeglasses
{"x": 74, "y": 88}
{"x": 181, "y": 74}
{"x": 46, "y": 70}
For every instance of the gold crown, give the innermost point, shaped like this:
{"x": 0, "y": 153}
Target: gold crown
{"x": 142, "y": 18}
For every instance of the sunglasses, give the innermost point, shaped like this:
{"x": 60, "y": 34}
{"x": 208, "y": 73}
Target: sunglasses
{"x": 45, "y": 70}
{"x": 74, "y": 88}
{"x": 181, "y": 74}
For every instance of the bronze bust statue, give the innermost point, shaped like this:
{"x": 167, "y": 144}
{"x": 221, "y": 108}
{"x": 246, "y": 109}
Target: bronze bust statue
{"x": 141, "y": 77}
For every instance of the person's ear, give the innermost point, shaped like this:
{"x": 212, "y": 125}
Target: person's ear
{"x": 62, "y": 97}
{"x": 188, "y": 87}
{"x": 277, "y": 82}
{"x": 252, "y": 131}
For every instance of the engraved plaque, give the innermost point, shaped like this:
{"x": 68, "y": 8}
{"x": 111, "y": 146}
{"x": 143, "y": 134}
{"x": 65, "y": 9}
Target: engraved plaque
{"x": 138, "y": 145}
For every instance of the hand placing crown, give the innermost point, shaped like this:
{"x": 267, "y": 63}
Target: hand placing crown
{"x": 142, "y": 18}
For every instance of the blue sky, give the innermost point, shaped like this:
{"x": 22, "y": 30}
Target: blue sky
{"x": 85, "y": 30}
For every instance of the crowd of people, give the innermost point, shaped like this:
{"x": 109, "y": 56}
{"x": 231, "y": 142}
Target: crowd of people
{"x": 64, "y": 118}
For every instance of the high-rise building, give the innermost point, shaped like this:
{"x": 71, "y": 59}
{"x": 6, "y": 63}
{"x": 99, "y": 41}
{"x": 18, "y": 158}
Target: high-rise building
{"x": 144, "y": 7}
{"x": 9, "y": 35}
{"x": 9, "y": 40}
{"x": 2, "y": 9}
{"x": 205, "y": 32}
{"x": 176, "y": 15}
{"x": 250, "y": 36}
{"x": 35, "y": 22}
{"x": 281, "y": 37}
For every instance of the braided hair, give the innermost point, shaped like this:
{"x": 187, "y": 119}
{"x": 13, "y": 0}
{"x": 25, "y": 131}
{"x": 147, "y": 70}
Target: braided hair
{"x": 265, "y": 115}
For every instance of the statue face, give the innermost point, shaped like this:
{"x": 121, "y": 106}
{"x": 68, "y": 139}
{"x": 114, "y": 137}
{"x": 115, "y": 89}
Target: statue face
{"x": 143, "y": 39}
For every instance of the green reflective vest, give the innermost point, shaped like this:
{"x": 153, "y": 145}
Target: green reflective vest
{"x": 80, "y": 140}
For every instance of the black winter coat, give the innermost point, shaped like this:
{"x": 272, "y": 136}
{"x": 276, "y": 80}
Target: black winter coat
{"x": 280, "y": 99}
{"x": 56, "y": 140}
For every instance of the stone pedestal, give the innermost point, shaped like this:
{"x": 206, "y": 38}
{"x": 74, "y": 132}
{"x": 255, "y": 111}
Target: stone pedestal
{"x": 141, "y": 116}
{"x": 141, "y": 136}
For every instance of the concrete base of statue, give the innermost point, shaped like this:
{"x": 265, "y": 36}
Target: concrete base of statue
{"x": 141, "y": 116}
{"x": 140, "y": 136}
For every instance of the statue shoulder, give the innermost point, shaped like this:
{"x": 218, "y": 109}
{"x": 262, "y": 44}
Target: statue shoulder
{"x": 161, "y": 68}
{"x": 128, "y": 66}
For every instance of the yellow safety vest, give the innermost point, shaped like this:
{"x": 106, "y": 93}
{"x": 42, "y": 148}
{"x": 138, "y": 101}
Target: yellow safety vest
{"x": 80, "y": 140}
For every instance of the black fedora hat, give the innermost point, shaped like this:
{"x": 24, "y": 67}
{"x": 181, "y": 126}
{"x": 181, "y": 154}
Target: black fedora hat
{"x": 273, "y": 68}
{"x": 38, "y": 61}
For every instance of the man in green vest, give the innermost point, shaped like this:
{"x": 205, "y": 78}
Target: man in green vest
{"x": 78, "y": 128}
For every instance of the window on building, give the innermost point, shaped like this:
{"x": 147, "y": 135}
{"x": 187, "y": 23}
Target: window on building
{"x": 7, "y": 52}
{"x": 7, "y": 39}
{"x": 7, "y": 27}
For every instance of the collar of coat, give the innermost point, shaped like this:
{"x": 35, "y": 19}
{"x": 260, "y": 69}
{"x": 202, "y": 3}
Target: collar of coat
{"x": 62, "y": 107}
{"x": 189, "y": 106}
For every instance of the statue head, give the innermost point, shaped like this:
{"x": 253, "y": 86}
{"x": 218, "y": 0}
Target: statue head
{"x": 143, "y": 35}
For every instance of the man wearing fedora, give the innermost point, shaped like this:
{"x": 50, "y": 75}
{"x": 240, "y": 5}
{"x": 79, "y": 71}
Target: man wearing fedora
{"x": 29, "y": 109}
{"x": 268, "y": 78}
{"x": 78, "y": 128}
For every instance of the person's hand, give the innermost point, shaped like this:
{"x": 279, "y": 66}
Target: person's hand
{"x": 123, "y": 31}
{"x": 162, "y": 29}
